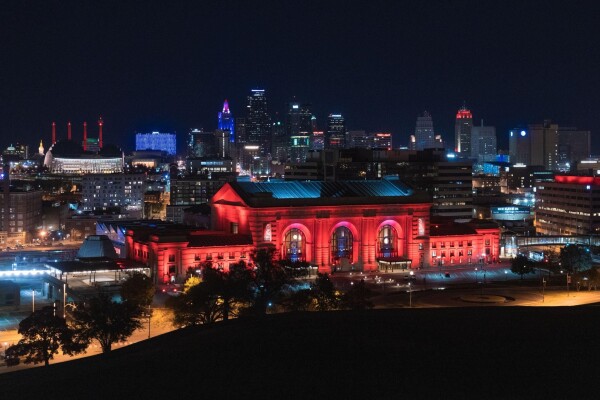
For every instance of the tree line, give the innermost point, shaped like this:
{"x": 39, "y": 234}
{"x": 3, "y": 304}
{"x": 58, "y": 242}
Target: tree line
{"x": 262, "y": 286}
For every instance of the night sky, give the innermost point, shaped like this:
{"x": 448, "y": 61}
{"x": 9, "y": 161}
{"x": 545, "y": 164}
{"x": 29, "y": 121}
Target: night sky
{"x": 158, "y": 66}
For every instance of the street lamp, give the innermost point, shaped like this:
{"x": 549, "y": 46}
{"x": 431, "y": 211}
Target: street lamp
{"x": 409, "y": 295}
{"x": 475, "y": 274}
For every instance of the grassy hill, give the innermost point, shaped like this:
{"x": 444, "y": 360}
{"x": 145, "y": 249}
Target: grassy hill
{"x": 407, "y": 353}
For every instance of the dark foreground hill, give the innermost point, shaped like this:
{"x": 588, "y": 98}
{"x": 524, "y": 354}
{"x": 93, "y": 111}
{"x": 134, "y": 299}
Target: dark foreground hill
{"x": 409, "y": 353}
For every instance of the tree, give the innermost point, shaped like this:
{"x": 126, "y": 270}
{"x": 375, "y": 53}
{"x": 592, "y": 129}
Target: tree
{"x": 521, "y": 265}
{"x": 574, "y": 258}
{"x": 43, "y": 334}
{"x": 357, "y": 298}
{"x": 231, "y": 287}
{"x": 196, "y": 306}
{"x": 267, "y": 280}
{"x": 138, "y": 289}
{"x": 324, "y": 293}
{"x": 106, "y": 321}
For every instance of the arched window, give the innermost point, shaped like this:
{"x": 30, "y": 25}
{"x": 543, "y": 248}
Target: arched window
{"x": 386, "y": 241}
{"x": 341, "y": 244}
{"x": 294, "y": 245}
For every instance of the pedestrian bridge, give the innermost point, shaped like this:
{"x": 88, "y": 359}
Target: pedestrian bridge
{"x": 587, "y": 240}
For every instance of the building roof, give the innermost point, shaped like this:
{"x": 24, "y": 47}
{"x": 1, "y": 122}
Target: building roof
{"x": 97, "y": 246}
{"x": 307, "y": 193}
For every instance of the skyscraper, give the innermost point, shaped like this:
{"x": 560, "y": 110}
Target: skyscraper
{"x": 226, "y": 122}
{"x": 573, "y": 145}
{"x": 544, "y": 144}
{"x": 519, "y": 146}
{"x": 424, "y": 134}
{"x": 336, "y": 131}
{"x": 462, "y": 132}
{"x": 299, "y": 130}
{"x": 258, "y": 122}
{"x": 483, "y": 143}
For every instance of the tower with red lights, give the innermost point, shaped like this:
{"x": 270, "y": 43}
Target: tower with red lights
{"x": 462, "y": 132}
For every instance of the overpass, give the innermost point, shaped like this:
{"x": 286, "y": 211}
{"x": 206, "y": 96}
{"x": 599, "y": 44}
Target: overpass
{"x": 586, "y": 240}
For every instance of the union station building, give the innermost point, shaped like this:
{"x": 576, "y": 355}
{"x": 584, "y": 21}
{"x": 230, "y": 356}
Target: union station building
{"x": 334, "y": 226}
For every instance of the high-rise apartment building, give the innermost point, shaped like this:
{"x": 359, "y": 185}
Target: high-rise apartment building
{"x": 106, "y": 192}
{"x": 336, "y": 131}
{"x": 258, "y": 122}
{"x": 462, "y": 132}
{"x": 424, "y": 134}
{"x": 156, "y": 141}
{"x": 226, "y": 121}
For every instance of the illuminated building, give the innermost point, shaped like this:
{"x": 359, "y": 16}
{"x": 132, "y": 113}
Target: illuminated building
{"x": 318, "y": 140}
{"x": 106, "y": 192}
{"x": 544, "y": 145}
{"x": 171, "y": 250}
{"x": 202, "y": 144}
{"x": 570, "y": 205}
{"x": 359, "y": 140}
{"x": 462, "y": 132}
{"x": 299, "y": 130}
{"x": 223, "y": 142}
{"x": 226, "y": 122}
{"x": 281, "y": 142}
{"x": 156, "y": 141}
{"x": 350, "y": 225}
{"x": 258, "y": 122}
{"x": 67, "y": 157}
{"x": 424, "y": 137}
{"x": 20, "y": 150}
{"x": 382, "y": 140}
{"x": 24, "y": 212}
{"x": 336, "y": 131}
{"x": 483, "y": 143}
{"x": 519, "y": 146}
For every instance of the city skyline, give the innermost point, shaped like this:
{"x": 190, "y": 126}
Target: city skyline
{"x": 153, "y": 70}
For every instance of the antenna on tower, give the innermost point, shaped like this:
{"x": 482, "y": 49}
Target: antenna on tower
{"x": 53, "y": 132}
{"x": 69, "y": 130}
{"x": 100, "y": 123}
{"x": 85, "y": 136}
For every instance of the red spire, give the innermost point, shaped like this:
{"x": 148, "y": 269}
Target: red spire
{"x": 69, "y": 130}
{"x": 85, "y": 136}
{"x": 100, "y": 123}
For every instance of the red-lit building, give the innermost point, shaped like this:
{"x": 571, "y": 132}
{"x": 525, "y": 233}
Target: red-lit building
{"x": 350, "y": 225}
{"x": 171, "y": 251}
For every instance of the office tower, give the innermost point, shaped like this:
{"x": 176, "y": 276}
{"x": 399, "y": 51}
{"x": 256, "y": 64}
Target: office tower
{"x": 424, "y": 134}
{"x": 483, "y": 143}
{"x": 519, "y": 146}
{"x": 336, "y": 131}
{"x": 226, "y": 122}
{"x": 299, "y": 130}
{"x": 107, "y": 192}
{"x": 573, "y": 146}
{"x": 462, "y": 132}
{"x": 318, "y": 140}
{"x": 358, "y": 139}
{"x": 223, "y": 142}
{"x": 381, "y": 140}
{"x": 156, "y": 141}
{"x": 201, "y": 144}
{"x": 281, "y": 142}
{"x": 240, "y": 131}
{"x": 544, "y": 145}
{"x": 258, "y": 122}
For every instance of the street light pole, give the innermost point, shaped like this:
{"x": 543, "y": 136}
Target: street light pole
{"x": 32, "y": 300}
{"x": 409, "y": 295}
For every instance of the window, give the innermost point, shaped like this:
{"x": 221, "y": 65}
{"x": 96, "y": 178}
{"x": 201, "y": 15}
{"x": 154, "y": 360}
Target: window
{"x": 451, "y": 244}
{"x": 433, "y": 253}
{"x": 267, "y": 233}
{"x": 171, "y": 257}
{"x": 460, "y": 243}
{"x": 234, "y": 227}
{"x": 420, "y": 246}
{"x": 469, "y": 252}
{"x": 341, "y": 244}
{"x": 231, "y": 255}
{"x": 487, "y": 242}
{"x": 293, "y": 245}
{"x": 443, "y": 245}
{"x": 469, "y": 243}
{"x": 196, "y": 257}
{"x": 209, "y": 257}
{"x": 386, "y": 242}
{"x": 433, "y": 245}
